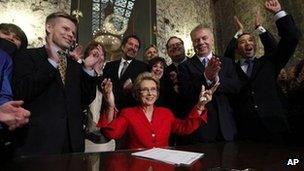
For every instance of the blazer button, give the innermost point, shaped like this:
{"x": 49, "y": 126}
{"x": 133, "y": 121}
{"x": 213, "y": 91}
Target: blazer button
{"x": 256, "y": 106}
{"x": 153, "y": 138}
{"x": 252, "y": 93}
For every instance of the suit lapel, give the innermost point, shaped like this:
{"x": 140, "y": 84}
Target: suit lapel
{"x": 242, "y": 74}
{"x": 256, "y": 68}
{"x": 128, "y": 70}
{"x": 43, "y": 54}
{"x": 71, "y": 72}
{"x": 198, "y": 64}
{"x": 115, "y": 69}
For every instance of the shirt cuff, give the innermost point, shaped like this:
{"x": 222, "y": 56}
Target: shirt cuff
{"x": 237, "y": 34}
{"x": 279, "y": 15}
{"x": 53, "y": 63}
{"x": 90, "y": 72}
{"x": 79, "y": 61}
{"x": 260, "y": 30}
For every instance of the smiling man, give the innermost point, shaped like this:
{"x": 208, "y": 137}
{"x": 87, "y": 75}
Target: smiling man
{"x": 259, "y": 110}
{"x": 124, "y": 71}
{"x": 205, "y": 68}
{"x": 54, "y": 88}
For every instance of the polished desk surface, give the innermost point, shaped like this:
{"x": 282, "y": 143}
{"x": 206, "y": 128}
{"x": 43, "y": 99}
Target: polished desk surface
{"x": 218, "y": 157}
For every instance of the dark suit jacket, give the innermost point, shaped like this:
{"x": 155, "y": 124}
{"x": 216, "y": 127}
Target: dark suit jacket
{"x": 259, "y": 109}
{"x": 122, "y": 98}
{"x": 220, "y": 114}
{"x": 170, "y": 98}
{"x": 56, "y": 110}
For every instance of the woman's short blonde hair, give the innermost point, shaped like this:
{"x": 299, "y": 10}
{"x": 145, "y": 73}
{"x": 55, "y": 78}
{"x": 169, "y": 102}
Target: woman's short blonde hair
{"x": 142, "y": 77}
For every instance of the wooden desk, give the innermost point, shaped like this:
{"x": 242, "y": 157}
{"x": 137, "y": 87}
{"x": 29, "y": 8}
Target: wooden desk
{"x": 237, "y": 155}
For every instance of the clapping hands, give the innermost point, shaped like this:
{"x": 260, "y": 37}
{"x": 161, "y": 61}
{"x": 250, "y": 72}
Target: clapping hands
{"x": 213, "y": 68}
{"x": 94, "y": 57}
{"x": 13, "y": 115}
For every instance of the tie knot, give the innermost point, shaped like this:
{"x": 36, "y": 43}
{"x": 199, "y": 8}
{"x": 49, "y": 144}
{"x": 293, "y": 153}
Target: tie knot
{"x": 124, "y": 68}
{"x": 62, "y": 53}
{"x": 249, "y": 61}
{"x": 204, "y": 62}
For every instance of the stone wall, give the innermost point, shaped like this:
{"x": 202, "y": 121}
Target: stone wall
{"x": 30, "y": 15}
{"x": 174, "y": 17}
{"x": 178, "y": 18}
{"x": 295, "y": 8}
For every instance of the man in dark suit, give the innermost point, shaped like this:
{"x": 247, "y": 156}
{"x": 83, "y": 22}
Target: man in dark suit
{"x": 260, "y": 114}
{"x": 176, "y": 51}
{"x": 204, "y": 68}
{"x": 124, "y": 71}
{"x": 54, "y": 88}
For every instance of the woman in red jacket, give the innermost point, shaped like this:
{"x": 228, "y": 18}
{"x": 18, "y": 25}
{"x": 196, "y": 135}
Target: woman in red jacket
{"x": 147, "y": 125}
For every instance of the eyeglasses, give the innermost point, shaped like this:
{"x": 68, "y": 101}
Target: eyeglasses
{"x": 178, "y": 44}
{"x": 147, "y": 90}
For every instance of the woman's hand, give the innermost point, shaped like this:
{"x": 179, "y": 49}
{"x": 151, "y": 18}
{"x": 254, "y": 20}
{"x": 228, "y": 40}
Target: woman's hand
{"x": 206, "y": 96}
{"x": 94, "y": 57}
{"x": 107, "y": 91}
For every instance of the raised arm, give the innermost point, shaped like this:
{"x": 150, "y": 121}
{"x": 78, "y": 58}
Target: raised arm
{"x": 288, "y": 32}
{"x": 111, "y": 125}
{"x": 230, "y": 50}
{"x": 107, "y": 91}
{"x": 267, "y": 39}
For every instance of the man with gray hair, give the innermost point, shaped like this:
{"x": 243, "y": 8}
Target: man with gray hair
{"x": 205, "y": 68}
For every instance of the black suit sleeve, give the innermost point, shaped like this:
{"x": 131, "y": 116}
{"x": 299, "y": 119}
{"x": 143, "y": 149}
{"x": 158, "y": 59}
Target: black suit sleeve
{"x": 230, "y": 50}
{"x": 229, "y": 80}
{"x": 269, "y": 42}
{"x": 190, "y": 81}
{"x": 290, "y": 35}
{"x": 88, "y": 88}
{"x": 30, "y": 76}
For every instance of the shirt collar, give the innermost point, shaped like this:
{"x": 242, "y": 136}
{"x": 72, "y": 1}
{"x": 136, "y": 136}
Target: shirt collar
{"x": 123, "y": 60}
{"x": 54, "y": 49}
{"x": 242, "y": 60}
{"x": 177, "y": 63}
{"x": 208, "y": 57}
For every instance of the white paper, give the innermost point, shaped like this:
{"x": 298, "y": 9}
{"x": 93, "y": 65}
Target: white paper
{"x": 170, "y": 156}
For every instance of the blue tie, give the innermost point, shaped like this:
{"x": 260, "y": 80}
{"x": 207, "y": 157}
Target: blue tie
{"x": 204, "y": 62}
{"x": 249, "y": 63}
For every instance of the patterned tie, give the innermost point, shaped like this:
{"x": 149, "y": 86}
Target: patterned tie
{"x": 125, "y": 66}
{"x": 62, "y": 65}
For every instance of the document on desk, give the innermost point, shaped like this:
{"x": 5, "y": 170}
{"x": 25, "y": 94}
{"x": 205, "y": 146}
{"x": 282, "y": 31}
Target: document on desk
{"x": 170, "y": 156}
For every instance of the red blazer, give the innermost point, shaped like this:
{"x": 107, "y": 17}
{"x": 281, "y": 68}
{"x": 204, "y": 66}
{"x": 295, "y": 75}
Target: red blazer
{"x": 145, "y": 134}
